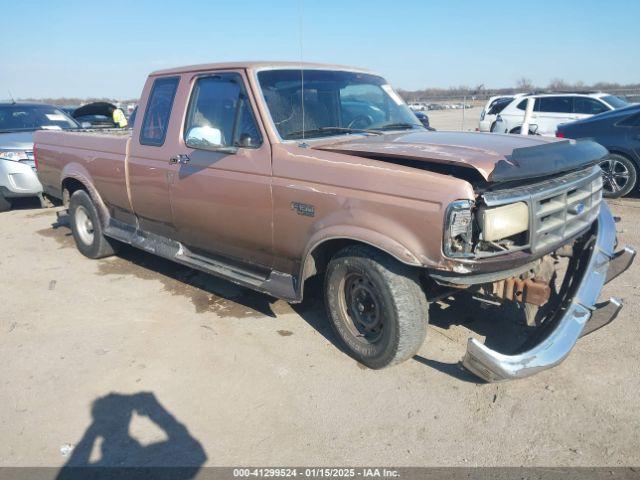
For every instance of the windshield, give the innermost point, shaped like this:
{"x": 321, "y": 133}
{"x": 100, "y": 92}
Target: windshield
{"x": 615, "y": 102}
{"x": 335, "y": 102}
{"x": 15, "y": 118}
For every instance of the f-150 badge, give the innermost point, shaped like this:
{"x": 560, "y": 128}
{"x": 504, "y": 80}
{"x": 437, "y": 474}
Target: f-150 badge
{"x": 304, "y": 209}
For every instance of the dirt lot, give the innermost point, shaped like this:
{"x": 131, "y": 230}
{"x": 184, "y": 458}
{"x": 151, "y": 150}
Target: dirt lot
{"x": 236, "y": 378}
{"x": 453, "y": 119}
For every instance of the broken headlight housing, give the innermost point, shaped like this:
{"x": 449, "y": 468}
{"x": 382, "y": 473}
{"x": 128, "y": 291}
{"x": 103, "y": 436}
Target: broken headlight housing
{"x": 458, "y": 229}
{"x": 481, "y": 232}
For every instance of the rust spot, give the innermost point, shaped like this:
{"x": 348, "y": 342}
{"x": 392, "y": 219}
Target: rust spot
{"x": 285, "y": 333}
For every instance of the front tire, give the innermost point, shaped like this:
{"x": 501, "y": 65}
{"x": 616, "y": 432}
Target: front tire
{"x": 619, "y": 176}
{"x": 87, "y": 227}
{"x": 376, "y": 306}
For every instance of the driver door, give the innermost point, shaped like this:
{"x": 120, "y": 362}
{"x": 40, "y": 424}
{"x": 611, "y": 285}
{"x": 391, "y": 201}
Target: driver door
{"x": 221, "y": 193}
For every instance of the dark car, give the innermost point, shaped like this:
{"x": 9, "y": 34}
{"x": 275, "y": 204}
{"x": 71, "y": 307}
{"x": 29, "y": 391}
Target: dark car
{"x": 619, "y": 132}
{"x": 424, "y": 120}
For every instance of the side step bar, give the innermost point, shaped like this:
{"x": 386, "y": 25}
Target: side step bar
{"x": 274, "y": 283}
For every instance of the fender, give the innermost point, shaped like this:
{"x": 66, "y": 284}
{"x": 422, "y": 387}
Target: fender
{"x": 78, "y": 172}
{"x": 378, "y": 240}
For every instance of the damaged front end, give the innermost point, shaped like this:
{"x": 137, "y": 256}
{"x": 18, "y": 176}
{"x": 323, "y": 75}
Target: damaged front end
{"x": 525, "y": 233}
{"x": 577, "y": 314}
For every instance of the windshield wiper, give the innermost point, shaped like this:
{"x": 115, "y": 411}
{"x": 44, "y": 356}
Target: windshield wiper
{"x": 331, "y": 129}
{"x": 398, "y": 126}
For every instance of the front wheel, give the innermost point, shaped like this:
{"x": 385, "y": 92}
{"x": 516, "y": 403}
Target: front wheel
{"x": 619, "y": 176}
{"x": 376, "y": 306}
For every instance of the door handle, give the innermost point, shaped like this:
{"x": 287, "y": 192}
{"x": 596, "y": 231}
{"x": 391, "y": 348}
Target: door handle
{"x": 181, "y": 159}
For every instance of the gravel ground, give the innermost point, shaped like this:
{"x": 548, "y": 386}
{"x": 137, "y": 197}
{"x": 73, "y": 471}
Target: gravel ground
{"x": 453, "y": 119}
{"x": 156, "y": 363}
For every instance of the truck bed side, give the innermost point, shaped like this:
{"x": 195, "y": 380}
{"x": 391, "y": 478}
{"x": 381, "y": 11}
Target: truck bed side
{"x": 97, "y": 159}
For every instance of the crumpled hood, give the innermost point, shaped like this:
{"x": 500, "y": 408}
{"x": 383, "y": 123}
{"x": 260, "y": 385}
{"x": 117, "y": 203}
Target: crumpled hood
{"x": 16, "y": 141}
{"x": 496, "y": 157}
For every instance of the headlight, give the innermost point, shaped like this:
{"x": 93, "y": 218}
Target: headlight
{"x": 471, "y": 232}
{"x": 458, "y": 229}
{"x": 502, "y": 222}
{"x": 13, "y": 155}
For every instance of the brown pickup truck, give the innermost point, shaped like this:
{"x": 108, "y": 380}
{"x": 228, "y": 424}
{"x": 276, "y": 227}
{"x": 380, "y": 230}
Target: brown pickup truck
{"x": 267, "y": 174}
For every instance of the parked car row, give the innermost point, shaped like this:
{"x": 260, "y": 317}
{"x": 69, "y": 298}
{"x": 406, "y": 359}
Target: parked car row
{"x": 421, "y": 107}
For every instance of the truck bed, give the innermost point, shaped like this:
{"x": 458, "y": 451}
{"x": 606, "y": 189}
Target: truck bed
{"x": 96, "y": 156}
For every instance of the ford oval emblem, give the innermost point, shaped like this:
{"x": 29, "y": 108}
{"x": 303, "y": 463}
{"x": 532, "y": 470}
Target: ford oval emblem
{"x": 577, "y": 209}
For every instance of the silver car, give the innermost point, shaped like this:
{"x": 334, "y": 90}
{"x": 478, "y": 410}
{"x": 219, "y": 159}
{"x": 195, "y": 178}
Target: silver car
{"x": 18, "y": 121}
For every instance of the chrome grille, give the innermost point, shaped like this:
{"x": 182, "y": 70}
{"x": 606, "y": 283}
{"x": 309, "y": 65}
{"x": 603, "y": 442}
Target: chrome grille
{"x": 560, "y": 216}
{"x": 558, "y": 208}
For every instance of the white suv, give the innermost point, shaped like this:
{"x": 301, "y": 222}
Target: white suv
{"x": 552, "y": 109}
{"x": 493, "y": 107}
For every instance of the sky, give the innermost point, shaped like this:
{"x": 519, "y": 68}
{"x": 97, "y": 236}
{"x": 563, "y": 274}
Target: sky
{"x": 106, "y": 48}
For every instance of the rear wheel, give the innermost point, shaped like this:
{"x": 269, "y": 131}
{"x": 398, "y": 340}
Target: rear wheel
{"x": 619, "y": 176}
{"x": 5, "y": 204}
{"x": 87, "y": 227}
{"x": 376, "y": 306}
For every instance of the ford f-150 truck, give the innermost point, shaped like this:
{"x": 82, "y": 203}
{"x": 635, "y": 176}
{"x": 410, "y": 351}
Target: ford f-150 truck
{"x": 267, "y": 174}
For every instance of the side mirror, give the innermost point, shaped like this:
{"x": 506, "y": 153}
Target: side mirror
{"x": 207, "y": 138}
{"x": 203, "y": 137}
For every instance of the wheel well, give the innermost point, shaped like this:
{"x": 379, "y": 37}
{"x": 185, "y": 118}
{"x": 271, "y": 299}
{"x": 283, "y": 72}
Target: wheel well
{"x": 71, "y": 185}
{"x": 318, "y": 259}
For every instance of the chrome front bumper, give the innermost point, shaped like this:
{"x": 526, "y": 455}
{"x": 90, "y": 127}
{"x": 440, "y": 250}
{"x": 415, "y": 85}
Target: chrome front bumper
{"x": 581, "y": 316}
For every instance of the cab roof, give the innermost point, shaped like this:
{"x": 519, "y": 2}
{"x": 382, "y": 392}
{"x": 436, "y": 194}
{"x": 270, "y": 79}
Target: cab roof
{"x": 254, "y": 65}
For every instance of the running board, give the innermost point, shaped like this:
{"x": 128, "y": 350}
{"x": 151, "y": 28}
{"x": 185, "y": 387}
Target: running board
{"x": 274, "y": 283}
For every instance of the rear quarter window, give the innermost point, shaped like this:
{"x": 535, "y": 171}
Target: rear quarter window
{"x": 588, "y": 106}
{"x": 158, "y": 111}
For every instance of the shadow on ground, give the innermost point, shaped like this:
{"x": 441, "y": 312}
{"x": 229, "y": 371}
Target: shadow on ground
{"x": 108, "y": 438}
{"x": 25, "y": 203}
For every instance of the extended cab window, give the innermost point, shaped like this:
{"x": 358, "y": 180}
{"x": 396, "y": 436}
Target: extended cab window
{"x": 156, "y": 116}
{"x": 588, "y": 106}
{"x": 220, "y": 114}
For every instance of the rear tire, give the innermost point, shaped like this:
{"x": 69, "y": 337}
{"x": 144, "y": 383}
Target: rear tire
{"x": 87, "y": 227}
{"x": 5, "y": 204}
{"x": 619, "y": 176}
{"x": 376, "y": 306}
